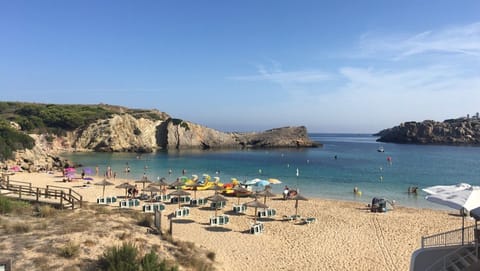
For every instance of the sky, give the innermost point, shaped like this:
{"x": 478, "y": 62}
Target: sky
{"x": 332, "y": 66}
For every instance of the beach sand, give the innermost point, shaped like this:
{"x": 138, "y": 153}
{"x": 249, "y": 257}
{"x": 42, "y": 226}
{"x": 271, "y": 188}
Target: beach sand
{"x": 345, "y": 236}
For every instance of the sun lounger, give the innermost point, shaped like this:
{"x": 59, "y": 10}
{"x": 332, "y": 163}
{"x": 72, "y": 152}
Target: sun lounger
{"x": 182, "y": 212}
{"x": 106, "y": 200}
{"x": 162, "y": 198}
{"x": 151, "y": 207}
{"x": 242, "y": 208}
{"x": 219, "y": 220}
{"x": 309, "y": 220}
{"x": 198, "y": 202}
{"x": 217, "y": 205}
{"x": 257, "y": 228}
{"x": 291, "y": 217}
{"x": 182, "y": 199}
{"x": 269, "y": 212}
{"x": 129, "y": 203}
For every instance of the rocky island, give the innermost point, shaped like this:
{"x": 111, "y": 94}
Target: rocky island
{"x": 35, "y": 134}
{"x": 460, "y": 131}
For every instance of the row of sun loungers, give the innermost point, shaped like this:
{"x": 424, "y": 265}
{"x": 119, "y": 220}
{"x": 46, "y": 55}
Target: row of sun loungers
{"x": 106, "y": 200}
{"x": 152, "y": 207}
{"x": 219, "y": 220}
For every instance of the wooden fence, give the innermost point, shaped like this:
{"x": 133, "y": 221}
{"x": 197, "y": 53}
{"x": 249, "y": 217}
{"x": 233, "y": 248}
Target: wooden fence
{"x": 67, "y": 197}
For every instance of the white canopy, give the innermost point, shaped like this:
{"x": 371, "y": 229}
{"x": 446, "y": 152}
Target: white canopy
{"x": 467, "y": 198}
{"x": 438, "y": 189}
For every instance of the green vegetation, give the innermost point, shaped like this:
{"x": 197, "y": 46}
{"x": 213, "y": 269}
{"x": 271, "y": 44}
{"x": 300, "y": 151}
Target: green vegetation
{"x": 8, "y": 206}
{"x": 180, "y": 122}
{"x": 12, "y": 140}
{"x": 54, "y": 119}
{"x": 125, "y": 258}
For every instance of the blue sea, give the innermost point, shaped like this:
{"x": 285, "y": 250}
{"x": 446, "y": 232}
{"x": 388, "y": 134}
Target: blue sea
{"x": 345, "y": 161}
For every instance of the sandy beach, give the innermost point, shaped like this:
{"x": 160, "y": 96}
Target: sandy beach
{"x": 345, "y": 236}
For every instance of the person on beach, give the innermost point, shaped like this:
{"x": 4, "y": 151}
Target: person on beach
{"x": 83, "y": 174}
{"x": 285, "y": 192}
{"x": 96, "y": 171}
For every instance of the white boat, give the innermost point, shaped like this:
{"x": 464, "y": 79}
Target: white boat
{"x": 381, "y": 149}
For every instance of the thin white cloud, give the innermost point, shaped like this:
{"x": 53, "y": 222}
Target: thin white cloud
{"x": 462, "y": 40}
{"x": 276, "y": 75}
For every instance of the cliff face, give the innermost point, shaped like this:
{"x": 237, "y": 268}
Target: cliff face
{"x": 124, "y": 133}
{"x": 460, "y": 131}
{"x": 121, "y": 133}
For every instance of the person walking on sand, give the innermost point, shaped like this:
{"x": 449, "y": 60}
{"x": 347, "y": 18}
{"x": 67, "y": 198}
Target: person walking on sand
{"x": 285, "y": 192}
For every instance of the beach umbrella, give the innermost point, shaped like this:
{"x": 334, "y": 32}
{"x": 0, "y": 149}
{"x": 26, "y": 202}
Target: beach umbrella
{"x": 126, "y": 186}
{"x": 466, "y": 199}
{"x": 256, "y": 204}
{"x": 240, "y": 190}
{"x": 216, "y": 199}
{"x": 252, "y": 182}
{"x": 162, "y": 183}
{"x": 104, "y": 183}
{"x": 177, "y": 183}
{"x": 265, "y": 193}
{"x": 143, "y": 180}
{"x": 70, "y": 169}
{"x": 178, "y": 194}
{"x": 151, "y": 189}
{"x": 88, "y": 171}
{"x": 298, "y": 197}
{"x": 436, "y": 189}
{"x": 274, "y": 181}
{"x": 194, "y": 187}
{"x": 261, "y": 183}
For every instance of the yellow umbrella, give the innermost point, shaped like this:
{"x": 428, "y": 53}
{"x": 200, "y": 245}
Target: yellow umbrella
{"x": 274, "y": 181}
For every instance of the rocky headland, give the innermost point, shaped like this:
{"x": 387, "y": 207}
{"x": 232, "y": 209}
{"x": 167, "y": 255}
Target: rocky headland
{"x": 461, "y": 131}
{"x": 127, "y": 130}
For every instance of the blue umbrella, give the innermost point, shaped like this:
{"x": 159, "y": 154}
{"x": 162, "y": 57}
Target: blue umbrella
{"x": 262, "y": 183}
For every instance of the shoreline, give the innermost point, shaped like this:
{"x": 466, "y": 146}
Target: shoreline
{"x": 345, "y": 236}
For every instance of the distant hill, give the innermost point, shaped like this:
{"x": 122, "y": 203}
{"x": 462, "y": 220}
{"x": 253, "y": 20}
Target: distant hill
{"x": 460, "y": 131}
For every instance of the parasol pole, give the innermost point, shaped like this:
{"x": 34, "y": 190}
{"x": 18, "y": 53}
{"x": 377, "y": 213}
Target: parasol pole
{"x": 298, "y": 173}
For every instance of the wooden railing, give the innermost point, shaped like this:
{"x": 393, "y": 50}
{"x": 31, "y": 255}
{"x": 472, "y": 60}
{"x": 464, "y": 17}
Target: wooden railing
{"x": 66, "y": 196}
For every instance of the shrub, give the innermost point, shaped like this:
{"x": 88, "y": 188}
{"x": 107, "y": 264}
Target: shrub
{"x": 122, "y": 258}
{"x": 45, "y": 211}
{"x": 13, "y": 206}
{"x": 19, "y": 227}
{"x": 70, "y": 250}
{"x": 151, "y": 262}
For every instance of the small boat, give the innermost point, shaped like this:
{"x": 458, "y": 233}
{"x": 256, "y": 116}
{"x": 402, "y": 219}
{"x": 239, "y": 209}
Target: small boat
{"x": 381, "y": 149}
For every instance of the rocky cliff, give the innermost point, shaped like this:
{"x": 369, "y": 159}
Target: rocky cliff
{"x": 126, "y": 130}
{"x": 124, "y": 133}
{"x": 461, "y": 131}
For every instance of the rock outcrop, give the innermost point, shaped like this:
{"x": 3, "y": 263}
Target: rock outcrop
{"x": 149, "y": 131}
{"x": 462, "y": 131}
{"x": 124, "y": 133}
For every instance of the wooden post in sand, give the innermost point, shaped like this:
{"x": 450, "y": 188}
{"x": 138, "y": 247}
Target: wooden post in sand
{"x": 170, "y": 217}
{"x": 158, "y": 220}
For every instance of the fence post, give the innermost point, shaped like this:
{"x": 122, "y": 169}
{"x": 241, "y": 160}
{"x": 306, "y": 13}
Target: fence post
{"x": 158, "y": 220}
{"x": 38, "y": 193}
{"x": 46, "y": 192}
{"x": 61, "y": 198}
{"x": 20, "y": 191}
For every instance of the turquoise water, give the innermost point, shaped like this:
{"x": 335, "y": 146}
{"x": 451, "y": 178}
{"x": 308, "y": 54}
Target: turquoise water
{"x": 358, "y": 164}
